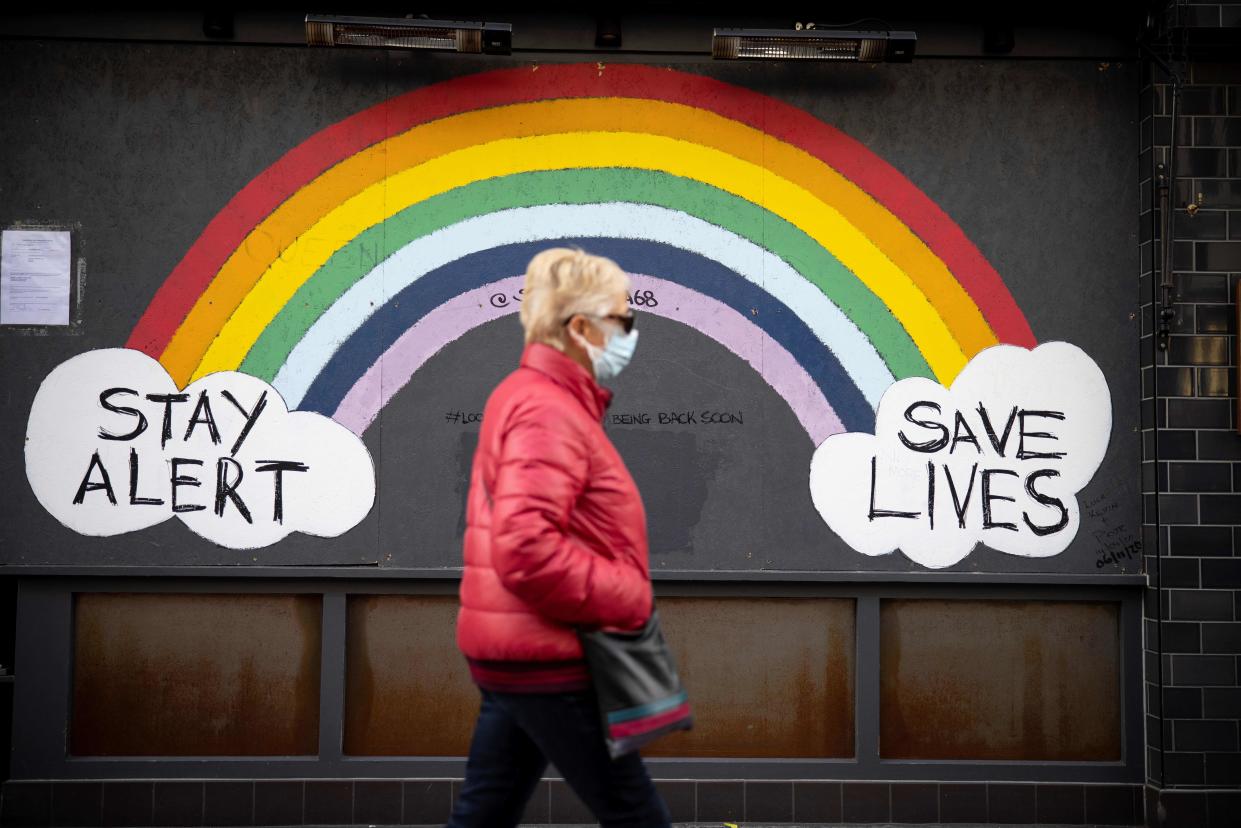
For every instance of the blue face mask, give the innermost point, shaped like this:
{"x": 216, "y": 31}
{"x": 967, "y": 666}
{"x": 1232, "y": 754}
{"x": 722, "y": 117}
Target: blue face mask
{"x": 612, "y": 358}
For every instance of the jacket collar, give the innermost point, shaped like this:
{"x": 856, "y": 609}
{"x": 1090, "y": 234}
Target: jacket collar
{"x": 572, "y": 377}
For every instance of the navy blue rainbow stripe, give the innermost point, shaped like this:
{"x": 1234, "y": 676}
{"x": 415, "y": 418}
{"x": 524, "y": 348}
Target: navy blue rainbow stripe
{"x": 365, "y": 346}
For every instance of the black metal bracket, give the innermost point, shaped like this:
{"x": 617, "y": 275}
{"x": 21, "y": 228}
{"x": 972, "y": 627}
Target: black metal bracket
{"x": 1167, "y": 307}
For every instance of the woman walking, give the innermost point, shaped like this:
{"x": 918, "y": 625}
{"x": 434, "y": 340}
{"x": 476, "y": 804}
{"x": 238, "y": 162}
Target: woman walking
{"x": 555, "y": 538}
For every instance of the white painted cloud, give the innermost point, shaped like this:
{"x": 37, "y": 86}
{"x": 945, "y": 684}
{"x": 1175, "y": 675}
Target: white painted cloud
{"x": 998, "y": 458}
{"x": 113, "y": 446}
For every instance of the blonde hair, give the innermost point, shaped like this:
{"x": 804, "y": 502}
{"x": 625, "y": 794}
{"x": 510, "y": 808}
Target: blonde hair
{"x": 561, "y": 282}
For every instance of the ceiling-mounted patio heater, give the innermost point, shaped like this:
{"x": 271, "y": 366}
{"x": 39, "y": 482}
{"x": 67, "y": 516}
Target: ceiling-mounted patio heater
{"x": 409, "y": 33}
{"x": 813, "y": 44}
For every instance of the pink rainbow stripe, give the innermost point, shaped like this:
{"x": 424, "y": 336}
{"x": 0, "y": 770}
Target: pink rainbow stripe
{"x": 467, "y": 311}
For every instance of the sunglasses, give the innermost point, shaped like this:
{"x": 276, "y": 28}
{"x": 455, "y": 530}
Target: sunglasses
{"x": 625, "y": 319}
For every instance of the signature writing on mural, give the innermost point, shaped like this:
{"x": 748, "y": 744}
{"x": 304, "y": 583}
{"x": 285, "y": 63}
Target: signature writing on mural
{"x": 1116, "y": 543}
{"x": 704, "y": 416}
{"x": 638, "y": 299}
{"x": 1027, "y": 443}
{"x": 1100, "y": 505}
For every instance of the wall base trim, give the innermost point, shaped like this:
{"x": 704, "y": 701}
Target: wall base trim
{"x": 211, "y": 802}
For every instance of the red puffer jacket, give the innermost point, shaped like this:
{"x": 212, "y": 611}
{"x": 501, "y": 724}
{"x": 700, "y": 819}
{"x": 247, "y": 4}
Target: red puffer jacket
{"x": 555, "y": 529}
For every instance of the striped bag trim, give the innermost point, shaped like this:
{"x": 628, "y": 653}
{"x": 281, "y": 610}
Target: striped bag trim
{"x": 648, "y": 709}
{"x": 639, "y": 727}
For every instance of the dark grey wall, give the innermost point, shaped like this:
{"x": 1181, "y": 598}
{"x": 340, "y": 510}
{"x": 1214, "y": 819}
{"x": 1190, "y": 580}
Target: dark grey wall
{"x": 141, "y": 145}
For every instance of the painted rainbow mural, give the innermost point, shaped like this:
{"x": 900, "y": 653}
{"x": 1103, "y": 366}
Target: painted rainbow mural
{"x": 338, "y": 271}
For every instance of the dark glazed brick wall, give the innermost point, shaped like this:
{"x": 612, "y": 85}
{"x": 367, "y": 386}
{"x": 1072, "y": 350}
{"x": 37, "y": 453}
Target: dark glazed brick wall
{"x": 1191, "y": 452}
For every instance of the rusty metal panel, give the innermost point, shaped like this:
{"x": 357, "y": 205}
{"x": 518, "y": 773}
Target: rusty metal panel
{"x": 195, "y": 675}
{"x": 767, "y": 677}
{"x": 407, "y": 688}
{"x": 1000, "y": 679}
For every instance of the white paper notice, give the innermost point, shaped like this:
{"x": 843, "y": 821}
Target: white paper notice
{"x": 34, "y": 277}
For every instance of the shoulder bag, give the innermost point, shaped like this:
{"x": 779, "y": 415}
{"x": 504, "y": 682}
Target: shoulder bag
{"x": 640, "y": 695}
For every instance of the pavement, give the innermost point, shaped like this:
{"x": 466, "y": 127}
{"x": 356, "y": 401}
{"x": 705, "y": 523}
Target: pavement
{"x": 788, "y": 825}
{"x": 845, "y": 825}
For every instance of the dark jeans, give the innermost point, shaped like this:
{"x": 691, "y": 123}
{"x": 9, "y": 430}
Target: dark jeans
{"x": 515, "y": 737}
